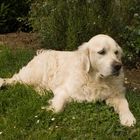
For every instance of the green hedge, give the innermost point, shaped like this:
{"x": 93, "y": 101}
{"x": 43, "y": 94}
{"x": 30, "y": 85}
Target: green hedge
{"x": 13, "y": 15}
{"x": 65, "y": 24}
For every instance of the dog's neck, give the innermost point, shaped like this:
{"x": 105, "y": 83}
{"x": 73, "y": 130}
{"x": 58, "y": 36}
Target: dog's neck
{"x": 95, "y": 76}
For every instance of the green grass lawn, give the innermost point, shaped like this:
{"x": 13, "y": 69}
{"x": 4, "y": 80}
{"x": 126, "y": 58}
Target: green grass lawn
{"x": 21, "y": 117}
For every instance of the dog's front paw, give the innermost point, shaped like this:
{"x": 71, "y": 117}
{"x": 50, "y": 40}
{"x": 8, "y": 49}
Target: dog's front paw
{"x": 53, "y": 106}
{"x": 1, "y": 82}
{"x": 48, "y": 108}
{"x": 127, "y": 119}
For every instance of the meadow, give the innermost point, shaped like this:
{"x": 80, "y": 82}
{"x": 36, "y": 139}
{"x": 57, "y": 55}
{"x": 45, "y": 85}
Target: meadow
{"x": 21, "y": 116}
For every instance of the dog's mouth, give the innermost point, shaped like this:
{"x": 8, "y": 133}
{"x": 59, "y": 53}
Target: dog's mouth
{"x": 116, "y": 73}
{"x": 113, "y": 74}
{"x": 101, "y": 76}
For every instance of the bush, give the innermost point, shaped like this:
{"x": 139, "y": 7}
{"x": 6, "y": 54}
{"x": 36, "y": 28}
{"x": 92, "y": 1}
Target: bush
{"x": 13, "y": 15}
{"x": 64, "y": 25}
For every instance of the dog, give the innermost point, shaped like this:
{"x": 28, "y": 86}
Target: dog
{"x": 93, "y": 72}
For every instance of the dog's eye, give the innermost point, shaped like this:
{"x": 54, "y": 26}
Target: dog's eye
{"x": 116, "y": 52}
{"x": 102, "y": 52}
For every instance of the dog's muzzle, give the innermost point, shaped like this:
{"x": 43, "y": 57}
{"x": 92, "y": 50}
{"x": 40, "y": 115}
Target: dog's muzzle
{"x": 116, "y": 67}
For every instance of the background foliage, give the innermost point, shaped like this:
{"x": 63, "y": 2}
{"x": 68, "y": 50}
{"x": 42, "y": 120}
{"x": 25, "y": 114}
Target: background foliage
{"x": 64, "y": 25}
{"x": 13, "y": 15}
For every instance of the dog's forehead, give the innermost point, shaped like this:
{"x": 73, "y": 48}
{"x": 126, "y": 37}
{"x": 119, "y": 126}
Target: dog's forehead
{"x": 103, "y": 42}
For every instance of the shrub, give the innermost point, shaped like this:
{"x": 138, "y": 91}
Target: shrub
{"x": 64, "y": 25}
{"x": 13, "y": 15}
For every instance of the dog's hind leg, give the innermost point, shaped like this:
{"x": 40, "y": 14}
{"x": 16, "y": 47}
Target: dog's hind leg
{"x": 9, "y": 81}
{"x": 2, "y": 82}
{"x": 25, "y": 76}
{"x": 31, "y": 74}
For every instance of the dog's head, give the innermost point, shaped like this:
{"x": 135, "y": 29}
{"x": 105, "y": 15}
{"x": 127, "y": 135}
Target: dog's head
{"x": 104, "y": 55}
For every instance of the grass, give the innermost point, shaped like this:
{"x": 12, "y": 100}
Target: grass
{"x": 21, "y": 117}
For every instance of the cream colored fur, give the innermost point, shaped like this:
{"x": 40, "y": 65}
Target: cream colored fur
{"x": 81, "y": 75}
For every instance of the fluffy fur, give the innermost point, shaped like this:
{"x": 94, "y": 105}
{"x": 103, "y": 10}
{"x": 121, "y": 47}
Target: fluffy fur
{"x": 93, "y": 72}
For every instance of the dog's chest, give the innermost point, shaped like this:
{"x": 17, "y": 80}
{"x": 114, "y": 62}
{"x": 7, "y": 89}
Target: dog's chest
{"x": 96, "y": 92}
{"x": 92, "y": 92}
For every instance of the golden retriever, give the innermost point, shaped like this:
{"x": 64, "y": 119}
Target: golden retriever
{"x": 93, "y": 72}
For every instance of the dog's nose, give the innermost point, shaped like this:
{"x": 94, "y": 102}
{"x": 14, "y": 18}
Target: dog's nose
{"x": 116, "y": 66}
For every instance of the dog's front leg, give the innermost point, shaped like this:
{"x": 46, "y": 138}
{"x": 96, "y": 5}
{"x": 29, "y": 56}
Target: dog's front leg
{"x": 59, "y": 100}
{"x": 121, "y": 106}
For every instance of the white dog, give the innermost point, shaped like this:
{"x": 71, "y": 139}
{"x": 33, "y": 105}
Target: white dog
{"x": 94, "y": 72}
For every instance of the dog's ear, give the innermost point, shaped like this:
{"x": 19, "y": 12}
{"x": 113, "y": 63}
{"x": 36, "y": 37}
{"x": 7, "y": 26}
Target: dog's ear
{"x": 85, "y": 56}
{"x": 86, "y": 63}
{"x": 121, "y": 51}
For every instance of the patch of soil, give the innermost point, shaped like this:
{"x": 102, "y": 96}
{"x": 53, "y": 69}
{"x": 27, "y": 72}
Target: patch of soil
{"x": 132, "y": 78}
{"x": 25, "y": 40}
{"x": 20, "y": 40}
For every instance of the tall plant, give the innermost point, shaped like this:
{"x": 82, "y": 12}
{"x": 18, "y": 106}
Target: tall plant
{"x": 13, "y": 14}
{"x": 64, "y": 25}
